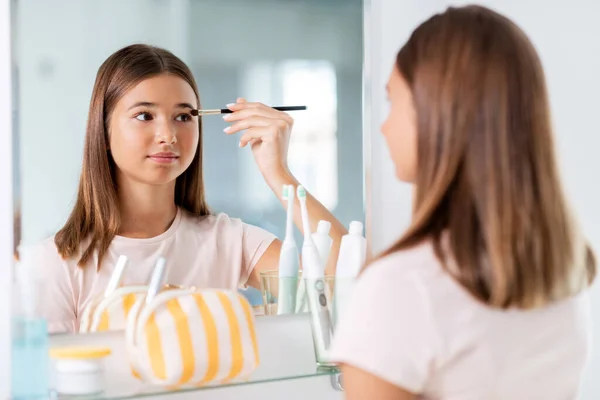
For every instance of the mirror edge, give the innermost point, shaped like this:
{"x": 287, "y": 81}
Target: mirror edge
{"x": 367, "y": 121}
{"x": 6, "y": 188}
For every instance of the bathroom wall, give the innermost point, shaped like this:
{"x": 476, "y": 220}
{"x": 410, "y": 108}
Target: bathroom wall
{"x": 567, "y": 36}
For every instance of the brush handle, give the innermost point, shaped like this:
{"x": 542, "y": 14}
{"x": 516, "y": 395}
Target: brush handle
{"x": 289, "y": 223}
{"x": 117, "y": 275}
{"x": 286, "y": 299}
{"x": 156, "y": 280}
{"x": 278, "y": 108}
{"x": 228, "y": 111}
{"x": 301, "y": 305}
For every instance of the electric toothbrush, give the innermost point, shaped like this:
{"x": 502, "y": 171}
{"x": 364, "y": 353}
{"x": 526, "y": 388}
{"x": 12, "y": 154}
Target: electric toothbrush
{"x": 288, "y": 260}
{"x": 315, "y": 284}
{"x": 301, "y": 296}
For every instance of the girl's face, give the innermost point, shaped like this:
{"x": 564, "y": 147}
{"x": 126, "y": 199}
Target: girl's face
{"x": 400, "y": 127}
{"x": 153, "y": 137}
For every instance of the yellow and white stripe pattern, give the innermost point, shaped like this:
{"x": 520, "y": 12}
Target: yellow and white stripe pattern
{"x": 110, "y": 313}
{"x": 195, "y": 338}
{"x": 114, "y": 317}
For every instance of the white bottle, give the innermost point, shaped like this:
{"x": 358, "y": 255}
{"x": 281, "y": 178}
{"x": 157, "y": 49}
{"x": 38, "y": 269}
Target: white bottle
{"x": 322, "y": 241}
{"x": 351, "y": 258}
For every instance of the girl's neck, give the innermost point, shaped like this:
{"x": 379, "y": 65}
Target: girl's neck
{"x": 146, "y": 210}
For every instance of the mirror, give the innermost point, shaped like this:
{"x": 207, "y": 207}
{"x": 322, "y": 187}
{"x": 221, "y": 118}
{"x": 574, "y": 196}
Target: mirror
{"x": 278, "y": 52}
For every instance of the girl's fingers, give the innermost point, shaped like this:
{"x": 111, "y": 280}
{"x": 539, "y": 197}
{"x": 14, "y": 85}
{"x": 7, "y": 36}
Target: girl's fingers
{"x": 250, "y": 122}
{"x": 258, "y": 133}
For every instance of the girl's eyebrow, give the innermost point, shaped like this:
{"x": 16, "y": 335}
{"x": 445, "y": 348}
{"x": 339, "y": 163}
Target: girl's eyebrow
{"x": 142, "y": 104}
{"x": 151, "y": 105}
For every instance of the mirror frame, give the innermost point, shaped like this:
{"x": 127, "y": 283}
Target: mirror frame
{"x": 7, "y": 158}
{"x": 6, "y": 195}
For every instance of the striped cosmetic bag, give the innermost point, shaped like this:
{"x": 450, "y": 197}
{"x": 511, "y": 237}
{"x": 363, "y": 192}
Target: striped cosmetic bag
{"x": 192, "y": 338}
{"x": 110, "y": 312}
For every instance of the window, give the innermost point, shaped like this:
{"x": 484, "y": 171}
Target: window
{"x": 313, "y": 146}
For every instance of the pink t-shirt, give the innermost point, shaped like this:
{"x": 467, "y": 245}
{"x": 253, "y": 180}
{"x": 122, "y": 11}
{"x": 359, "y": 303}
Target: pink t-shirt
{"x": 410, "y": 324}
{"x": 205, "y": 252}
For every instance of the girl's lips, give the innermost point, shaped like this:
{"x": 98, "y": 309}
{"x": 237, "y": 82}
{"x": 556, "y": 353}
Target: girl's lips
{"x": 164, "y": 158}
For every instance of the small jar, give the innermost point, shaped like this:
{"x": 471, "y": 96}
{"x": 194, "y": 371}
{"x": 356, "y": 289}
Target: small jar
{"x": 79, "y": 370}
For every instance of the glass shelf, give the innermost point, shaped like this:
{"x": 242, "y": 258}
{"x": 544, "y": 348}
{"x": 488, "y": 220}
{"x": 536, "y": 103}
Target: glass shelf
{"x": 141, "y": 390}
{"x": 286, "y": 353}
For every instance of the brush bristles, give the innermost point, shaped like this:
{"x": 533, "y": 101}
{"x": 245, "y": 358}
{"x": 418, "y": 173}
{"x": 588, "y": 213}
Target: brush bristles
{"x": 301, "y": 192}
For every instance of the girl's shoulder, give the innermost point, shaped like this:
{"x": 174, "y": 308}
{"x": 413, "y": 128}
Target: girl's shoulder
{"x": 202, "y": 224}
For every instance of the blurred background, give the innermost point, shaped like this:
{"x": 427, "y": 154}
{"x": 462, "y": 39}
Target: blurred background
{"x": 279, "y": 52}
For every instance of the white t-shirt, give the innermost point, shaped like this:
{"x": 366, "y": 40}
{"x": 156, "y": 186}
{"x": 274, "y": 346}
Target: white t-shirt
{"x": 213, "y": 251}
{"x": 410, "y": 324}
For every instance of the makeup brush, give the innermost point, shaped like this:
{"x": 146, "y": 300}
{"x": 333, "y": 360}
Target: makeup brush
{"x": 196, "y": 113}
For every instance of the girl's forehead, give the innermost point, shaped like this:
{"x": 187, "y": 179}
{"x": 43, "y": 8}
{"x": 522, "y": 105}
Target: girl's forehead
{"x": 161, "y": 90}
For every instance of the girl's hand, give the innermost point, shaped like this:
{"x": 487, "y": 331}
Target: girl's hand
{"x": 266, "y": 130}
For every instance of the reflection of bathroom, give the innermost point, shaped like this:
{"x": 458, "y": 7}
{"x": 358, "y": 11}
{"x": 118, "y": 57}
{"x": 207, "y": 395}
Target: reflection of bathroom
{"x": 326, "y": 149}
{"x": 329, "y": 163}
{"x": 294, "y": 68}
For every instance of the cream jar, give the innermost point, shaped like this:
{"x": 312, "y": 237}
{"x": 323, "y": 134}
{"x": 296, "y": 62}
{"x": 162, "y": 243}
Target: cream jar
{"x": 79, "y": 370}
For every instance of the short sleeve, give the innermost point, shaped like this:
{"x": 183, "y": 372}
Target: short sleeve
{"x": 57, "y": 305}
{"x": 385, "y": 328}
{"x": 255, "y": 241}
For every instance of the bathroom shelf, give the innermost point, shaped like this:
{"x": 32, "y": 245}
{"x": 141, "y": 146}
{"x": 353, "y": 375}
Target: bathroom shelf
{"x": 128, "y": 391}
{"x": 286, "y": 353}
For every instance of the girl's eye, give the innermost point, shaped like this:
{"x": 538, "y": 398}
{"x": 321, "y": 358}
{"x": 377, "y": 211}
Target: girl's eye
{"x": 183, "y": 118}
{"x": 143, "y": 116}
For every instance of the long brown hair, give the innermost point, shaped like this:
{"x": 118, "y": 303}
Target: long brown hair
{"x": 488, "y": 192}
{"x": 96, "y": 217}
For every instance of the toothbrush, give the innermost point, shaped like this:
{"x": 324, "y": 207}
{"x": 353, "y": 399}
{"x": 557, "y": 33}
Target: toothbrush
{"x": 315, "y": 287}
{"x": 156, "y": 280}
{"x": 117, "y": 276}
{"x": 154, "y": 284}
{"x": 301, "y": 305}
{"x": 90, "y": 319}
{"x": 288, "y": 260}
